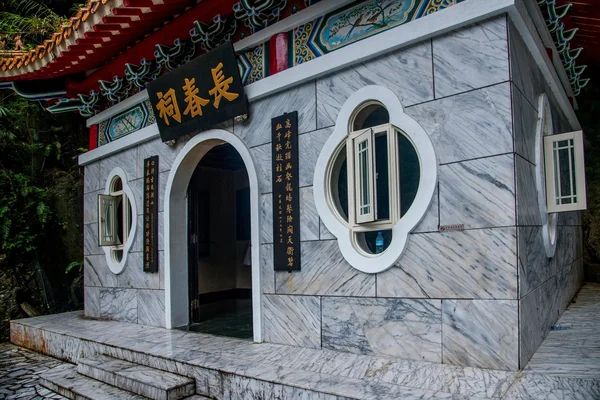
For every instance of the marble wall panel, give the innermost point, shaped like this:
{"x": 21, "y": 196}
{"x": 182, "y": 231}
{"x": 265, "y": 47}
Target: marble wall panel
{"x": 257, "y": 129}
{"x": 431, "y": 219}
{"x": 407, "y": 72}
{"x": 97, "y": 273}
{"x": 166, "y": 154}
{"x": 151, "y": 307}
{"x": 293, "y": 320}
{"x": 90, "y": 240}
{"x": 537, "y": 312}
{"x": 91, "y": 178}
{"x": 570, "y": 218}
{"x": 133, "y": 275}
{"x": 525, "y": 125}
{"x": 267, "y": 274}
{"x": 469, "y": 125}
{"x": 566, "y": 245}
{"x": 403, "y": 328}
{"x": 481, "y": 333}
{"x": 471, "y": 57}
{"x": 91, "y": 301}
{"x": 324, "y": 272}
{"x": 534, "y": 267}
{"x": 119, "y": 304}
{"x": 90, "y": 207}
{"x": 528, "y": 211}
{"x": 309, "y": 218}
{"x": 479, "y": 263}
{"x": 262, "y": 163}
{"x": 324, "y": 232}
{"x": 126, "y": 160}
{"x": 478, "y": 193}
{"x": 266, "y": 218}
{"x": 524, "y": 70}
{"x": 309, "y": 148}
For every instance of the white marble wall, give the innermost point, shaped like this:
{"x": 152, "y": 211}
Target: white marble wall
{"x": 452, "y": 297}
{"x": 546, "y": 285}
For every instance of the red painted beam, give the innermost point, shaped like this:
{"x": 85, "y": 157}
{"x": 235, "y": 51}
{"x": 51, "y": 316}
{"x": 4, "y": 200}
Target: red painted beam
{"x": 177, "y": 28}
{"x": 278, "y": 53}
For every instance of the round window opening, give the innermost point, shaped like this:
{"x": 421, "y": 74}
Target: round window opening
{"x": 381, "y": 183}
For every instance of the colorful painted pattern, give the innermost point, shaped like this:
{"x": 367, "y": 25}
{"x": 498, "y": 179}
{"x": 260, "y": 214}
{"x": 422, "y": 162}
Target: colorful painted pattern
{"x": 309, "y": 41}
{"x": 357, "y": 21}
{"x": 131, "y": 120}
{"x": 253, "y": 64}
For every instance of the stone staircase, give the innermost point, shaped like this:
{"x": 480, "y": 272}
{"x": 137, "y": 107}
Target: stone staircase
{"x": 102, "y": 377}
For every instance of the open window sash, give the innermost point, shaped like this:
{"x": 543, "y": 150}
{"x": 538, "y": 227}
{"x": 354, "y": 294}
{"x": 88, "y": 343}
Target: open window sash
{"x": 565, "y": 172}
{"x": 364, "y": 177}
{"x": 107, "y": 221}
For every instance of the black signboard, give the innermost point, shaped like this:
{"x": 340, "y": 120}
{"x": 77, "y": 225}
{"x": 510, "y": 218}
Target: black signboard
{"x": 151, "y": 214}
{"x": 286, "y": 197}
{"x": 199, "y": 94}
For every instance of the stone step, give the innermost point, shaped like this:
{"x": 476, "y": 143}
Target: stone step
{"x": 145, "y": 381}
{"x": 66, "y": 381}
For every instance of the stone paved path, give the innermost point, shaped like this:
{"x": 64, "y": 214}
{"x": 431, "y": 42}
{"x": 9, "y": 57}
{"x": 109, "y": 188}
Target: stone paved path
{"x": 19, "y": 373}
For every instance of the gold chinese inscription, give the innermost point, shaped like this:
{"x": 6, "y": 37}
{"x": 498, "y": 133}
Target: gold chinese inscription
{"x": 150, "y": 214}
{"x": 168, "y": 105}
{"x": 286, "y": 230}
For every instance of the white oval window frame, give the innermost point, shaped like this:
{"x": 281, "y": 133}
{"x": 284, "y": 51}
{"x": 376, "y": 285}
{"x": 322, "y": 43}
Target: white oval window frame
{"x": 549, "y": 221}
{"x": 428, "y": 181}
{"x": 117, "y": 268}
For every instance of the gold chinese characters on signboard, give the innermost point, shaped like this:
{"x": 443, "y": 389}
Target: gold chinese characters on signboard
{"x": 286, "y": 214}
{"x": 199, "y": 94}
{"x": 151, "y": 214}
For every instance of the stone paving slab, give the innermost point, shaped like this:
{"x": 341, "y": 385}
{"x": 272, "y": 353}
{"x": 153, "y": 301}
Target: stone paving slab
{"x": 19, "y": 373}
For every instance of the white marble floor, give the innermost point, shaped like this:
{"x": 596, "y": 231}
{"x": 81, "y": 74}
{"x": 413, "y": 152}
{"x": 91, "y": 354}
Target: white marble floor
{"x": 567, "y": 366}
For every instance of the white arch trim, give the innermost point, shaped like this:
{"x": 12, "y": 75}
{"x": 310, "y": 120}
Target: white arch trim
{"x": 117, "y": 268}
{"x": 544, "y": 127}
{"x": 175, "y": 234}
{"x": 427, "y": 184}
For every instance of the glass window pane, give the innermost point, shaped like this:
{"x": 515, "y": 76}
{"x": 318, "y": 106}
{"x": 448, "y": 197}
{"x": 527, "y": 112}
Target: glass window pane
{"x": 382, "y": 177}
{"x": 410, "y": 172}
{"x": 370, "y": 116}
{"x": 108, "y": 218}
{"x": 370, "y": 241}
{"x": 342, "y": 185}
{"x": 365, "y": 206}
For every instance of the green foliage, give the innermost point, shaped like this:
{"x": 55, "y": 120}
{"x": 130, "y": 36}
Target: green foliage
{"x": 33, "y": 20}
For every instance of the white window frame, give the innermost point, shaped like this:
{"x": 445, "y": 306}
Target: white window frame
{"x": 576, "y": 170}
{"x": 344, "y": 229}
{"x": 112, "y": 247}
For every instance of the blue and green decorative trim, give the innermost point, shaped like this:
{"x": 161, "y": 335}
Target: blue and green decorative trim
{"x": 129, "y": 121}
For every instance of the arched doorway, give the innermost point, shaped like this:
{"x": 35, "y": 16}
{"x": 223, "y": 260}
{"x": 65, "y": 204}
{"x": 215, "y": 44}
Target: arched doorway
{"x": 177, "y": 285}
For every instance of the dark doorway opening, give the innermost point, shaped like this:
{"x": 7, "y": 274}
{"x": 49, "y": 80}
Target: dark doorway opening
{"x": 219, "y": 262}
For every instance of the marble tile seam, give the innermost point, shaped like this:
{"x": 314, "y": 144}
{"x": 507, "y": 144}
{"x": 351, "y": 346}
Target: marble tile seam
{"x": 477, "y": 158}
{"x": 299, "y": 134}
{"x": 355, "y": 297}
{"x": 459, "y": 94}
{"x": 516, "y": 85}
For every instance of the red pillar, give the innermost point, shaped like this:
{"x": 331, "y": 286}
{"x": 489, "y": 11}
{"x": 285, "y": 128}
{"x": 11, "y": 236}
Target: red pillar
{"x": 278, "y": 53}
{"x": 93, "y": 137}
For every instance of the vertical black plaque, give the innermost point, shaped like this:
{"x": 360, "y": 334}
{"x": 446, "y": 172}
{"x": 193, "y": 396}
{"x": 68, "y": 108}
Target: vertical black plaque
{"x": 286, "y": 196}
{"x": 151, "y": 214}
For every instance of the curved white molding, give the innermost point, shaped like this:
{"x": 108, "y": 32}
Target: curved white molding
{"x": 175, "y": 234}
{"x": 427, "y": 184}
{"x": 117, "y": 268}
{"x": 549, "y": 221}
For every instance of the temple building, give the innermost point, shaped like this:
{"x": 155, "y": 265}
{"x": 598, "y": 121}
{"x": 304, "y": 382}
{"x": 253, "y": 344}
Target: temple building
{"x": 386, "y": 178}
